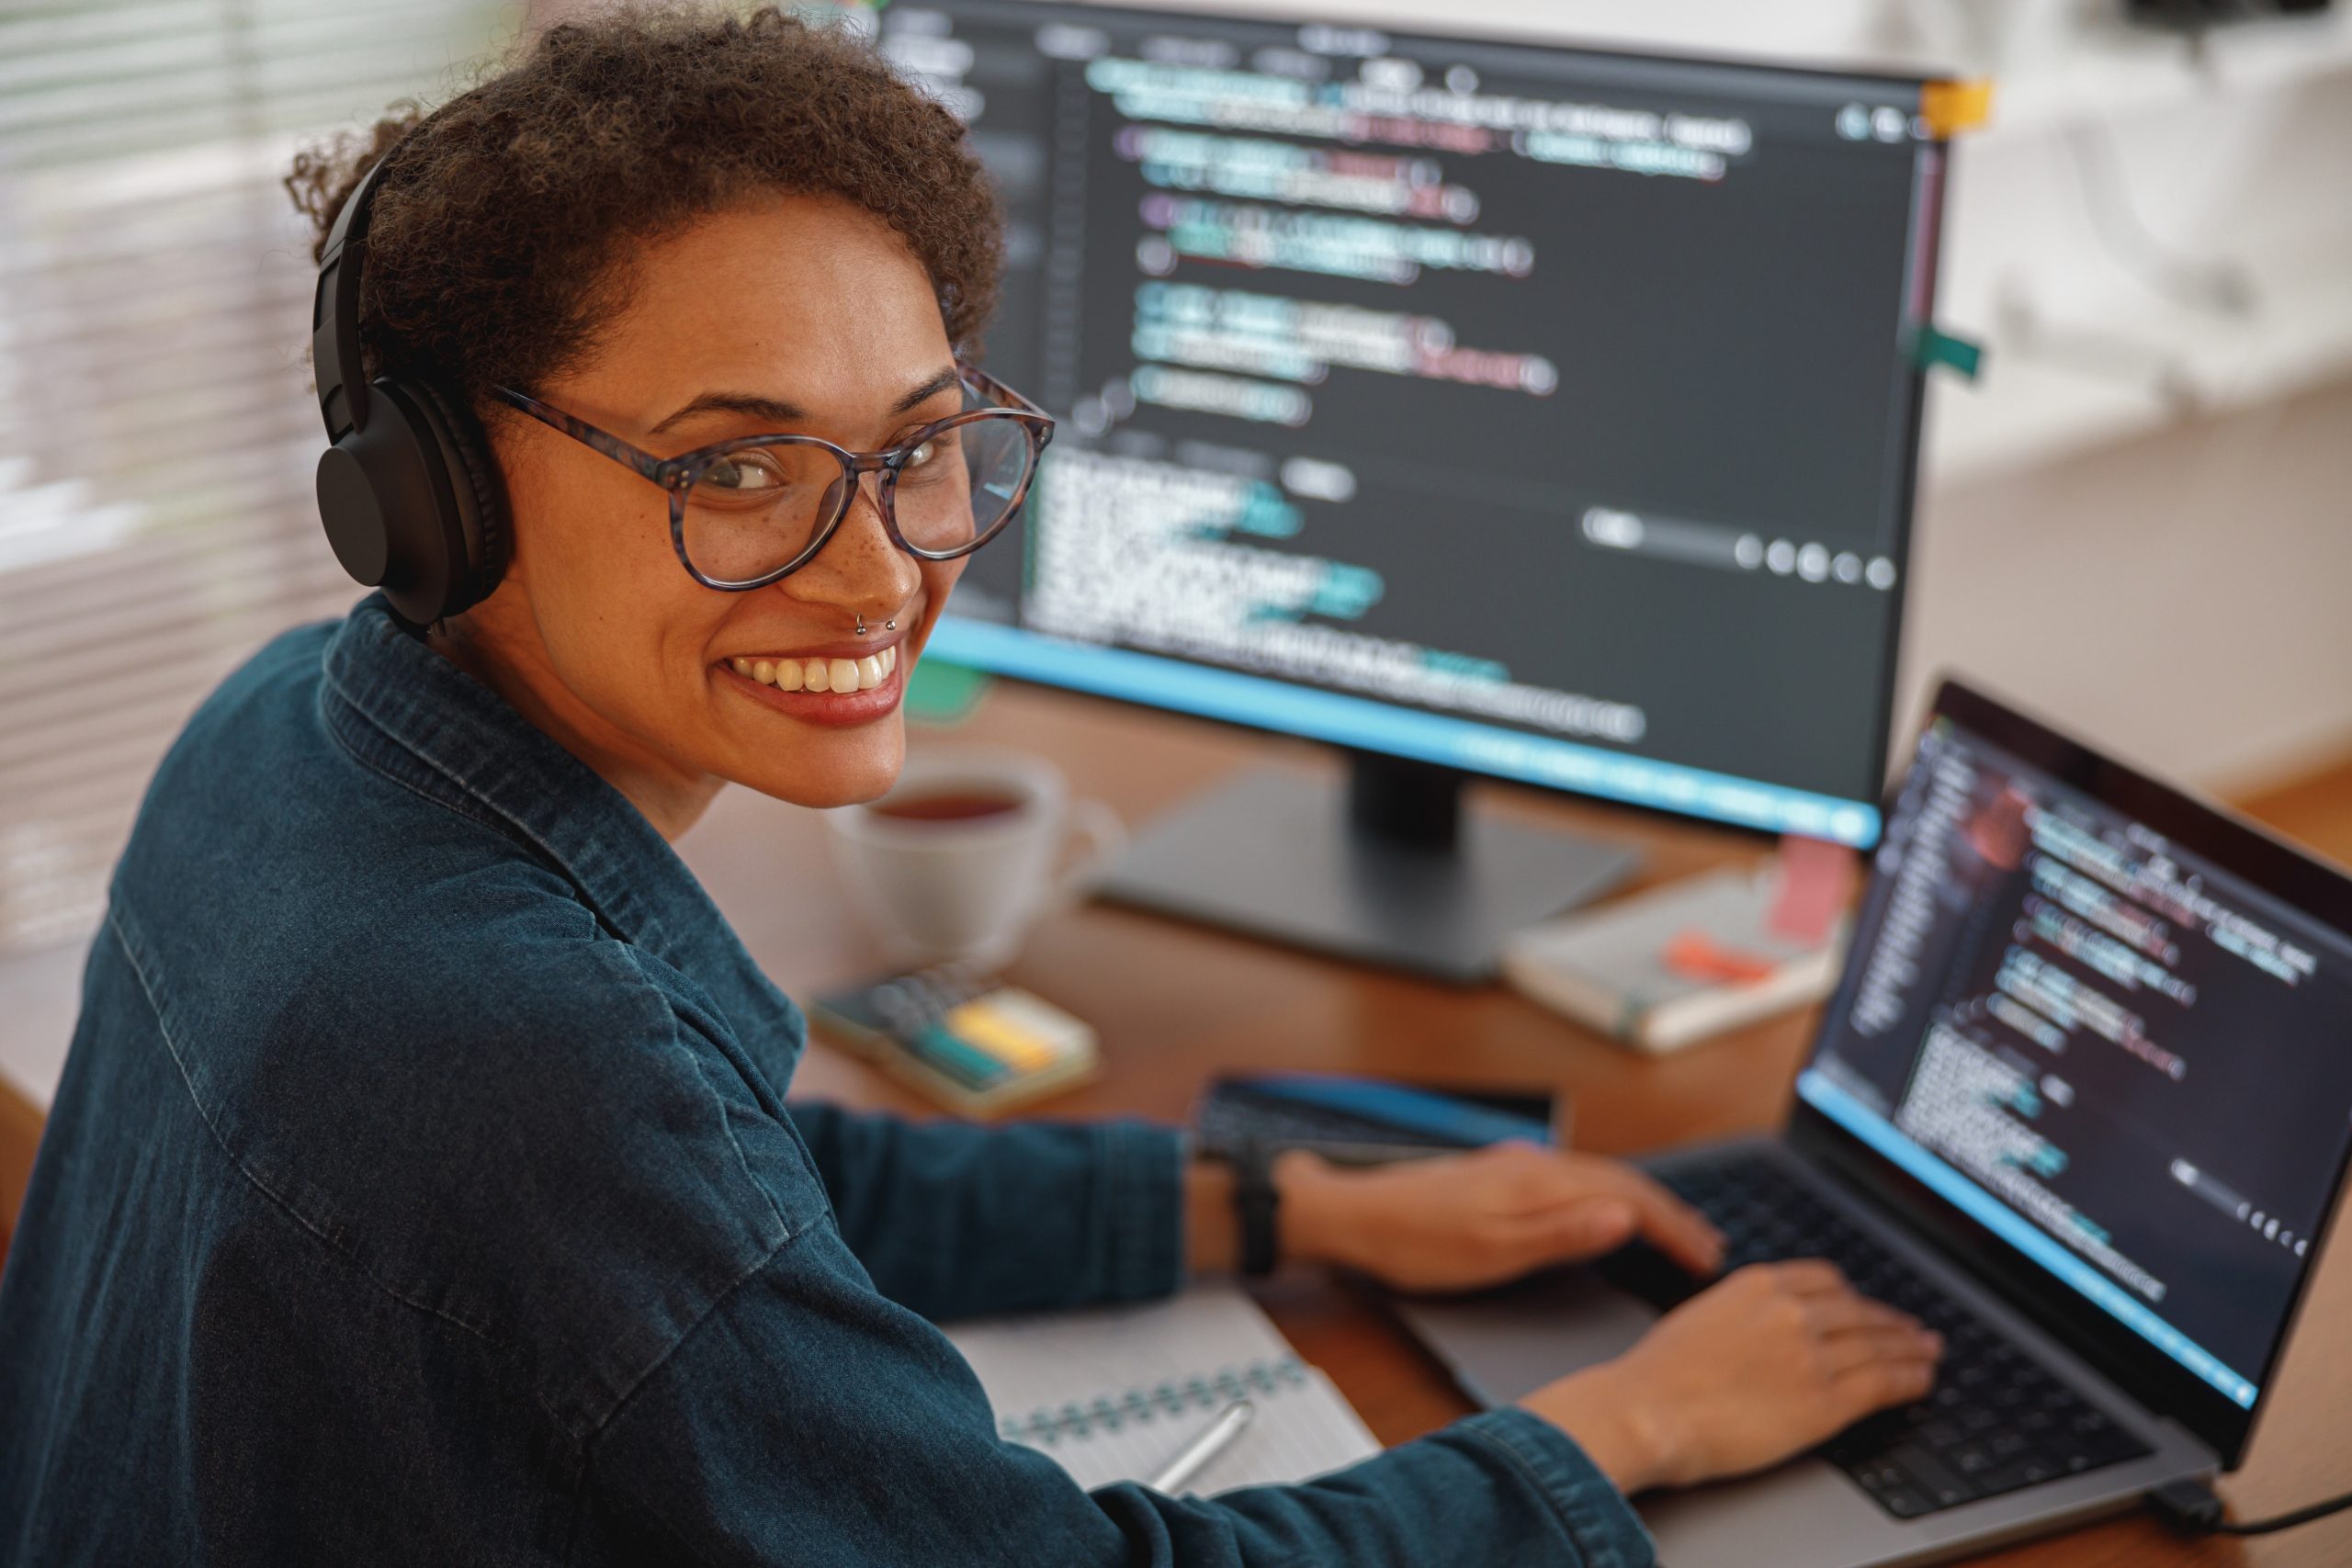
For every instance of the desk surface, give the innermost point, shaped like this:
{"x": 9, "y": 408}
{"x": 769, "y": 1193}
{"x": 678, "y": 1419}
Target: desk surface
{"x": 1176, "y": 1003}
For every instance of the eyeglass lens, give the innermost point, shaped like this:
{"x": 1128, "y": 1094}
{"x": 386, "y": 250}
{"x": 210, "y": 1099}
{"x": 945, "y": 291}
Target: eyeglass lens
{"x": 756, "y": 508}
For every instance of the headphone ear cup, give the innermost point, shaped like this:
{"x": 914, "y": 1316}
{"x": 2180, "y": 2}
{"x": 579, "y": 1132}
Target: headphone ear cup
{"x": 475, "y": 486}
{"x": 388, "y": 508}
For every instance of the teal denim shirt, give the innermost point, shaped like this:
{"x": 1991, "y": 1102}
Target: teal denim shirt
{"x": 421, "y": 1189}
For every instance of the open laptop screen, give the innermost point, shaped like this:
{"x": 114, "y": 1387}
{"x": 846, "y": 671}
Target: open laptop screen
{"x": 2129, "y": 1062}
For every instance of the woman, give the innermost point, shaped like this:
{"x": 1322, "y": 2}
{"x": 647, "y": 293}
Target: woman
{"x": 422, "y": 1188}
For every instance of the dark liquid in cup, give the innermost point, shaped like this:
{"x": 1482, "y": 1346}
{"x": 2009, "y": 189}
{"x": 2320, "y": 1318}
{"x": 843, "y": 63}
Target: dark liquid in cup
{"x": 949, "y": 804}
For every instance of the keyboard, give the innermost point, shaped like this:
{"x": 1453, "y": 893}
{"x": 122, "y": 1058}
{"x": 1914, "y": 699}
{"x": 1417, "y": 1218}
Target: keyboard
{"x": 1233, "y": 1115}
{"x": 1225, "y": 1125}
{"x": 1997, "y": 1419}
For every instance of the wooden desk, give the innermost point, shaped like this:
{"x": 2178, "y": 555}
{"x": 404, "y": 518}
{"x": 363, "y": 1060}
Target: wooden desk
{"x": 1176, "y": 1004}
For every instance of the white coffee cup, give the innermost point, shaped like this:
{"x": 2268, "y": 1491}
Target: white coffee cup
{"x": 1008, "y": 847}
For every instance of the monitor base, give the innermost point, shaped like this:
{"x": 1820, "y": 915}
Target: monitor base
{"x": 1276, "y": 855}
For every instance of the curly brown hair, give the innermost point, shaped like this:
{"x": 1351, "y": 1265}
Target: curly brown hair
{"x": 497, "y": 236}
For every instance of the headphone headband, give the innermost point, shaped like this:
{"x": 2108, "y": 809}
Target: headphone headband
{"x": 334, "y": 313}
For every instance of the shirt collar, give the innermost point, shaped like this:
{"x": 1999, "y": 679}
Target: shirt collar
{"x": 413, "y": 713}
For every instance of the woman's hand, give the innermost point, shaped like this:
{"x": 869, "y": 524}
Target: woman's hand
{"x": 1765, "y": 1364}
{"x": 1457, "y": 1222}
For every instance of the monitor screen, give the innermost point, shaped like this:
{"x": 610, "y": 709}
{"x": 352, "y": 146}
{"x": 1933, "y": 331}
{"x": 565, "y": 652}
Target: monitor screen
{"x": 2126, "y": 1061}
{"x": 1542, "y": 413}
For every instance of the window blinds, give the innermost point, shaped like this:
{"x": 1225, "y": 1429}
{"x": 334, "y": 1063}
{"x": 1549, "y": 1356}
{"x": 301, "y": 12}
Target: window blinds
{"x": 157, "y": 434}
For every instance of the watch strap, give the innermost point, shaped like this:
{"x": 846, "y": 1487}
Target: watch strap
{"x": 1256, "y": 1206}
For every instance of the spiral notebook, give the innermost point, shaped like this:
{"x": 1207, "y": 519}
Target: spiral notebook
{"x": 1112, "y": 1394}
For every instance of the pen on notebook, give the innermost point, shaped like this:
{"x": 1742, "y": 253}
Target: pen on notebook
{"x": 1204, "y": 1447}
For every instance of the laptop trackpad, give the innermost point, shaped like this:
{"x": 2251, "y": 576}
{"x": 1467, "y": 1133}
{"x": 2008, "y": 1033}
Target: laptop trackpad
{"x": 1502, "y": 1344}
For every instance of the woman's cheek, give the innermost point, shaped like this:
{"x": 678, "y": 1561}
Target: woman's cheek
{"x": 939, "y": 578}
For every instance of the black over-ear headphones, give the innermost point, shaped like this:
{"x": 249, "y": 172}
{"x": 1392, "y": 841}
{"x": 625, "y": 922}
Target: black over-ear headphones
{"x": 408, "y": 492}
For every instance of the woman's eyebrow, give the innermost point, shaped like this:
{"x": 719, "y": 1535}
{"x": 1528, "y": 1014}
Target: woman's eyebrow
{"x": 945, "y": 380}
{"x": 751, "y": 405}
{"x": 747, "y": 404}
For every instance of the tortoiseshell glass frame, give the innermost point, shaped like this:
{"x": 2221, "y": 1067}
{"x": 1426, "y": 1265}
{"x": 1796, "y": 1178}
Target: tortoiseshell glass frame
{"x": 679, "y": 474}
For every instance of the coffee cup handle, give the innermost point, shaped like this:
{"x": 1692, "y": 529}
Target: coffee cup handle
{"x": 1099, "y": 837}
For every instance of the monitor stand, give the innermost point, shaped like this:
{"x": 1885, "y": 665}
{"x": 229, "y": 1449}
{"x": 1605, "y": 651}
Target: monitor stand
{"x": 1390, "y": 870}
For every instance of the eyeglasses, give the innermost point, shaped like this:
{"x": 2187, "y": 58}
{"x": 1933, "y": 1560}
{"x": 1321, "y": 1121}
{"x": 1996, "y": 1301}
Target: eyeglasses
{"x": 747, "y": 512}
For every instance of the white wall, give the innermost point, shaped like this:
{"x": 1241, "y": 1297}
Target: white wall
{"x": 2183, "y": 597}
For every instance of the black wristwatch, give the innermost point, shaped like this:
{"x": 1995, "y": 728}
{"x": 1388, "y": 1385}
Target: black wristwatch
{"x": 1255, "y": 1203}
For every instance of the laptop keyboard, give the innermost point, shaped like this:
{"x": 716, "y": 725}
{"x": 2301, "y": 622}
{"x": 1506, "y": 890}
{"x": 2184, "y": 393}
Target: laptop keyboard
{"x": 1997, "y": 1420}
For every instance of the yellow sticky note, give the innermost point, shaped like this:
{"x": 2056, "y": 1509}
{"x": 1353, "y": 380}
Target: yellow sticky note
{"x": 985, "y": 1027}
{"x": 1950, "y": 108}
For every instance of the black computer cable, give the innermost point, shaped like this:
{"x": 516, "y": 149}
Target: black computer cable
{"x": 2191, "y": 1508}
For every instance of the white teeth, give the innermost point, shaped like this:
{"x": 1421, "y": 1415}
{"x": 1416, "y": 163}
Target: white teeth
{"x": 820, "y": 674}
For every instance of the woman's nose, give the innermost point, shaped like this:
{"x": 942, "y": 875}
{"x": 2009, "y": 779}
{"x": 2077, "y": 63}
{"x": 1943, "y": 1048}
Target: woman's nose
{"x": 860, "y": 566}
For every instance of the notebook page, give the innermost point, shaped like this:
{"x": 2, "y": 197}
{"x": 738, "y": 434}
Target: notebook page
{"x": 1113, "y": 1394}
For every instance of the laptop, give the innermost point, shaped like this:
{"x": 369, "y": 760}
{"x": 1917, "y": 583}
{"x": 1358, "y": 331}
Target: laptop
{"x": 2082, "y": 1100}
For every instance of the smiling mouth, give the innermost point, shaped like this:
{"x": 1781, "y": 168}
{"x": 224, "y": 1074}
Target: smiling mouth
{"x": 842, "y": 675}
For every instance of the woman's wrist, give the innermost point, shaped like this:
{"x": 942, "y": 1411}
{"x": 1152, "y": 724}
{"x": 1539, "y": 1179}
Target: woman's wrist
{"x": 1313, "y": 1220}
{"x": 1212, "y": 1235}
{"x": 1614, "y": 1427}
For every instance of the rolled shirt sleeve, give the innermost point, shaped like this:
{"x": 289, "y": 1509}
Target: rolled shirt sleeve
{"x": 952, "y": 1221}
{"x": 806, "y": 1420}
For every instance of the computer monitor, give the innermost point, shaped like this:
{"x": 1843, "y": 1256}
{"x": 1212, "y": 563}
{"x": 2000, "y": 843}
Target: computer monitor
{"x": 1487, "y": 409}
